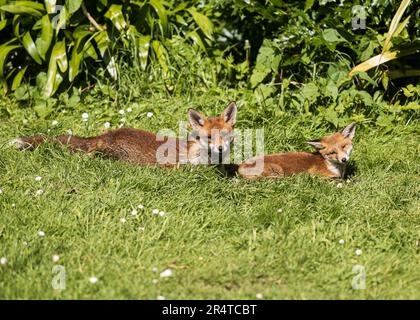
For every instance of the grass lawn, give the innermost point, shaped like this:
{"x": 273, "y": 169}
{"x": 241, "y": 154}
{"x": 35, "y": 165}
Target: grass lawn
{"x": 223, "y": 238}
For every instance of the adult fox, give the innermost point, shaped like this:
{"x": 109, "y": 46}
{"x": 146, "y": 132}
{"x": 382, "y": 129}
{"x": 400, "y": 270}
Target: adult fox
{"x": 330, "y": 159}
{"x": 212, "y": 135}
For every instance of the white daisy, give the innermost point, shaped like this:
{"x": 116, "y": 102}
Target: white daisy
{"x": 85, "y": 116}
{"x": 107, "y": 125}
{"x": 166, "y": 273}
{"x": 55, "y": 258}
{"x": 154, "y": 281}
{"x": 54, "y": 122}
{"x": 161, "y": 298}
{"x": 150, "y": 114}
{"x": 358, "y": 252}
{"x": 3, "y": 261}
{"x": 140, "y": 206}
{"x": 259, "y": 296}
{"x": 341, "y": 241}
{"x": 129, "y": 110}
{"x": 134, "y": 212}
{"x": 1, "y": 191}
{"x": 123, "y": 120}
{"x": 279, "y": 210}
{"x": 93, "y": 279}
{"x": 162, "y": 213}
{"x": 39, "y": 192}
{"x": 121, "y": 111}
{"x": 69, "y": 132}
{"x": 339, "y": 185}
{"x": 41, "y": 233}
{"x": 154, "y": 269}
{"x": 38, "y": 178}
{"x": 155, "y": 211}
{"x": 123, "y": 220}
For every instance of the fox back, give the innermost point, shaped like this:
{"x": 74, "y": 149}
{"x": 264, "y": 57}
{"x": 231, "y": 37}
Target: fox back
{"x": 329, "y": 160}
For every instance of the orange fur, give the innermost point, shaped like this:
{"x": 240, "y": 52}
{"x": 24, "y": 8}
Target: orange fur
{"x": 140, "y": 147}
{"x": 332, "y": 154}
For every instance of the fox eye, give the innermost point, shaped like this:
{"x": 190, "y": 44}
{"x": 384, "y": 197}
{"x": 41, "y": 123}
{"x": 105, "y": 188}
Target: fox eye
{"x": 331, "y": 153}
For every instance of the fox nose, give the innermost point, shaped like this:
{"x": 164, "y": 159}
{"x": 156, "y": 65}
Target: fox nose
{"x": 344, "y": 160}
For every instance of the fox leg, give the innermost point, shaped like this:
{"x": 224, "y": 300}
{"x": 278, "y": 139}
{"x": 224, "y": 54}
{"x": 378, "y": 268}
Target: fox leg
{"x": 249, "y": 171}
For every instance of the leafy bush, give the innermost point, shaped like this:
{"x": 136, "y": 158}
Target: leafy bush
{"x": 64, "y": 40}
{"x": 307, "y": 49}
{"x": 278, "y": 57}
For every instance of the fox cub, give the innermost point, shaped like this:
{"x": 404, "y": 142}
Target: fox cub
{"x": 210, "y": 135}
{"x": 333, "y": 153}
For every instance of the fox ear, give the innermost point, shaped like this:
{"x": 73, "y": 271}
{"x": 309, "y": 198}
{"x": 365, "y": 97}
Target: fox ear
{"x": 349, "y": 131}
{"x": 315, "y": 143}
{"x": 196, "y": 119}
{"x": 229, "y": 114}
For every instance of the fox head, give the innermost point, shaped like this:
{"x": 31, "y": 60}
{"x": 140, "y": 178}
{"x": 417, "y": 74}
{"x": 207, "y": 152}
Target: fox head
{"x": 214, "y": 133}
{"x": 337, "y": 147}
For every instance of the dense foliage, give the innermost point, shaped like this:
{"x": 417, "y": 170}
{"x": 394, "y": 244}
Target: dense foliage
{"x": 280, "y": 56}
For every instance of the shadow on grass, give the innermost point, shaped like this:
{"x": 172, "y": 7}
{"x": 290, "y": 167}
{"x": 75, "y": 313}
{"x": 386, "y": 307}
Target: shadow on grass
{"x": 351, "y": 170}
{"x": 228, "y": 170}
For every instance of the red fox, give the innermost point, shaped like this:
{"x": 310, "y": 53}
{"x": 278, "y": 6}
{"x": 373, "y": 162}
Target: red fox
{"x": 210, "y": 135}
{"x": 333, "y": 153}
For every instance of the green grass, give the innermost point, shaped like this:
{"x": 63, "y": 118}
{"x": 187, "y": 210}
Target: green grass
{"x": 222, "y": 237}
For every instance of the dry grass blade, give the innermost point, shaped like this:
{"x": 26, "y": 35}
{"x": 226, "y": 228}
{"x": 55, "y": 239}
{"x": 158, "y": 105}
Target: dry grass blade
{"x": 394, "y": 25}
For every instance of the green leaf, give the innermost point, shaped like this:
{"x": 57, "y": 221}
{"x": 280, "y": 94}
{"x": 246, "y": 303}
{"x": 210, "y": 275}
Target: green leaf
{"x": 25, "y": 7}
{"x": 60, "y": 55}
{"x": 73, "y": 5}
{"x": 115, "y": 14}
{"x": 366, "y": 98}
{"x": 332, "y": 35}
{"x": 411, "y": 106}
{"x": 308, "y": 4}
{"x": 54, "y": 78}
{"x": 50, "y": 5}
{"x": 331, "y": 90}
{"x": 161, "y": 55}
{"x": 18, "y": 78}
{"x": 44, "y": 41}
{"x": 310, "y": 91}
{"x": 331, "y": 116}
{"x": 258, "y": 76}
{"x": 3, "y": 24}
{"x": 144, "y": 45}
{"x": 77, "y": 53}
{"x": 365, "y": 76}
{"x": 203, "y": 22}
{"x": 103, "y": 42}
{"x": 30, "y": 47}
{"x": 4, "y": 53}
{"x": 195, "y": 37}
{"x": 161, "y": 12}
